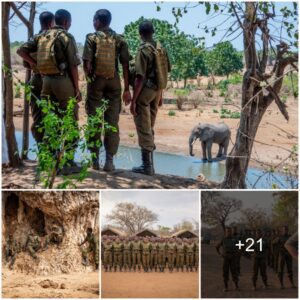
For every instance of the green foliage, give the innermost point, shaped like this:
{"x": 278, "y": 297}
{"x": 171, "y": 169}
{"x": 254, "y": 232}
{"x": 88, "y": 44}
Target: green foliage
{"x": 215, "y": 111}
{"x": 182, "y": 92}
{"x": 228, "y": 114}
{"x": 291, "y": 84}
{"x": 17, "y": 91}
{"x": 224, "y": 59}
{"x": 185, "y": 52}
{"x": 61, "y": 136}
{"x": 171, "y": 113}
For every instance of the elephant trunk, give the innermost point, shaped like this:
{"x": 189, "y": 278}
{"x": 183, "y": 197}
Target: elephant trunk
{"x": 191, "y": 143}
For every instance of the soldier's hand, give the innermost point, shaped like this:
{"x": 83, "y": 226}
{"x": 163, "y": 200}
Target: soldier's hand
{"x": 133, "y": 108}
{"x": 127, "y": 97}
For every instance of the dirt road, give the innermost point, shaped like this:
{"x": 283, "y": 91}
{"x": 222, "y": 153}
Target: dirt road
{"x": 74, "y": 285}
{"x": 150, "y": 285}
{"x": 212, "y": 280}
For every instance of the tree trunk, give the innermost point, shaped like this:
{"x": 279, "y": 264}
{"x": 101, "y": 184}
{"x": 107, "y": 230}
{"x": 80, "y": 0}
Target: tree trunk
{"x": 13, "y": 152}
{"x": 25, "y": 140}
{"x": 184, "y": 82}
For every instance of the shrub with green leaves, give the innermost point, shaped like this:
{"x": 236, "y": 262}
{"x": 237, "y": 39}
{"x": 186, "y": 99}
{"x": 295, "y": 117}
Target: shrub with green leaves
{"x": 17, "y": 91}
{"x": 62, "y": 135}
{"x": 228, "y": 114}
{"x": 171, "y": 113}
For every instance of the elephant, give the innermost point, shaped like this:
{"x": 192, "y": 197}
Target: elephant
{"x": 209, "y": 134}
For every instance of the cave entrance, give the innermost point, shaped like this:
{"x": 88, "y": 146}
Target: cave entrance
{"x": 11, "y": 212}
{"x": 36, "y": 219}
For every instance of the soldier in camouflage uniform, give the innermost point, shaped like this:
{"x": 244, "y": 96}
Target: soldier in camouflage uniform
{"x": 127, "y": 254}
{"x": 147, "y": 97}
{"x": 55, "y": 235}
{"x": 285, "y": 258}
{"x": 33, "y": 244}
{"x": 60, "y": 74}
{"x": 93, "y": 247}
{"x": 171, "y": 254}
{"x": 12, "y": 249}
{"x": 180, "y": 247}
{"x": 189, "y": 250}
{"x": 146, "y": 250}
{"x": 260, "y": 257}
{"x": 154, "y": 254}
{"x": 118, "y": 254}
{"x": 47, "y": 22}
{"x": 196, "y": 256}
{"x": 136, "y": 253}
{"x": 228, "y": 245}
{"x": 275, "y": 250}
{"x": 107, "y": 254}
{"x": 104, "y": 82}
{"x": 161, "y": 254}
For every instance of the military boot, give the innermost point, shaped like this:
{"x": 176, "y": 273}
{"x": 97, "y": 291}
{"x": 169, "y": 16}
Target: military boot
{"x": 109, "y": 163}
{"x": 105, "y": 268}
{"x": 237, "y": 286}
{"x": 225, "y": 286}
{"x": 115, "y": 267}
{"x": 254, "y": 285}
{"x": 97, "y": 266}
{"x": 147, "y": 164}
{"x": 182, "y": 269}
{"x": 280, "y": 276}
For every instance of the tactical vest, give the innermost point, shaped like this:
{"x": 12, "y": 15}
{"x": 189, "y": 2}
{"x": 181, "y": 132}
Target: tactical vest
{"x": 161, "y": 65}
{"x": 46, "y": 61}
{"x": 105, "y": 56}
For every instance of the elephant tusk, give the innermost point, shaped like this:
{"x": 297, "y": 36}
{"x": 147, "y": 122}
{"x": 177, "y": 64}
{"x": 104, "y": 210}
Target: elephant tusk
{"x": 193, "y": 142}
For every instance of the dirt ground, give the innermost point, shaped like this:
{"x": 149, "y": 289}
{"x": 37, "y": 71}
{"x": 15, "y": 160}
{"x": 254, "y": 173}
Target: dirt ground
{"x": 212, "y": 280}
{"x": 74, "y": 285}
{"x": 150, "y": 285}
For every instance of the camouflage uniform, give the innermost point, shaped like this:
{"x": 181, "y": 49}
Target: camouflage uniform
{"x": 260, "y": 261}
{"x": 109, "y": 89}
{"x": 148, "y": 100}
{"x": 12, "y": 249}
{"x": 196, "y": 257}
{"x": 146, "y": 250}
{"x": 171, "y": 254}
{"x": 154, "y": 255}
{"x": 127, "y": 255}
{"x": 189, "y": 248}
{"x": 161, "y": 255}
{"x": 136, "y": 254}
{"x": 180, "y": 256}
{"x": 107, "y": 255}
{"x": 33, "y": 244}
{"x": 118, "y": 251}
{"x": 93, "y": 247}
{"x": 229, "y": 259}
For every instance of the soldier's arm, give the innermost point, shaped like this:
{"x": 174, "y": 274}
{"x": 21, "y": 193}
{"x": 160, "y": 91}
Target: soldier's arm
{"x": 140, "y": 69}
{"x": 124, "y": 57}
{"x": 88, "y": 54}
{"x": 73, "y": 61}
{"x": 27, "y": 48}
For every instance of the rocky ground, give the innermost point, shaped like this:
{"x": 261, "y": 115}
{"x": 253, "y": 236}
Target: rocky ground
{"x": 150, "y": 285}
{"x": 73, "y": 285}
{"x": 212, "y": 281}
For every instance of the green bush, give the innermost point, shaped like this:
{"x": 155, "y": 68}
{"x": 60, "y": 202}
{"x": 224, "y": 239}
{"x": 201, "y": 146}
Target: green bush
{"x": 228, "y": 114}
{"x": 290, "y": 83}
{"x": 18, "y": 91}
{"x": 215, "y": 111}
{"x": 171, "y": 113}
{"x": 235, "y": 78}
{"x": 182, "y": 92}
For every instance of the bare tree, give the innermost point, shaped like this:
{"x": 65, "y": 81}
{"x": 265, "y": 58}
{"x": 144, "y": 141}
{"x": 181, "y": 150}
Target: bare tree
{"x": 184, "y": 225}
{"x": 131, "y": 217}
{"x": 29, "y": 23}
{"x": 8, "y": 98}
{"x": 254, "y": 217}
{"x": 218, "y": 209}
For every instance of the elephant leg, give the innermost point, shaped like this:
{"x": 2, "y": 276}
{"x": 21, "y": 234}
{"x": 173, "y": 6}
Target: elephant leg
{"x": 225, "y": 144}
{"x": 220, "y": 152}
{"x": 208, "y": 146}
{"x": 203, "y": 144}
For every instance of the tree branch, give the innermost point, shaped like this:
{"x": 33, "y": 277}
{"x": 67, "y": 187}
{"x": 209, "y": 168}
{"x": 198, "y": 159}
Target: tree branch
{"x": 20, "y": 15}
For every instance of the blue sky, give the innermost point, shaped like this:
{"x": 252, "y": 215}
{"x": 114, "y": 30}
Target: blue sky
{"x": 125, "y": 12}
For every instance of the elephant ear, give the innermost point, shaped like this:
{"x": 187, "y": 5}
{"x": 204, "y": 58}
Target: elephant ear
{"x": 206, "y": 134}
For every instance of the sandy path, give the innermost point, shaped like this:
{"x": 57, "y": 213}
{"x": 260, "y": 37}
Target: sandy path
{"x": 77, "y": 285}
{"x": 150, "y": 285}
{"x": 212, "y": 280}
